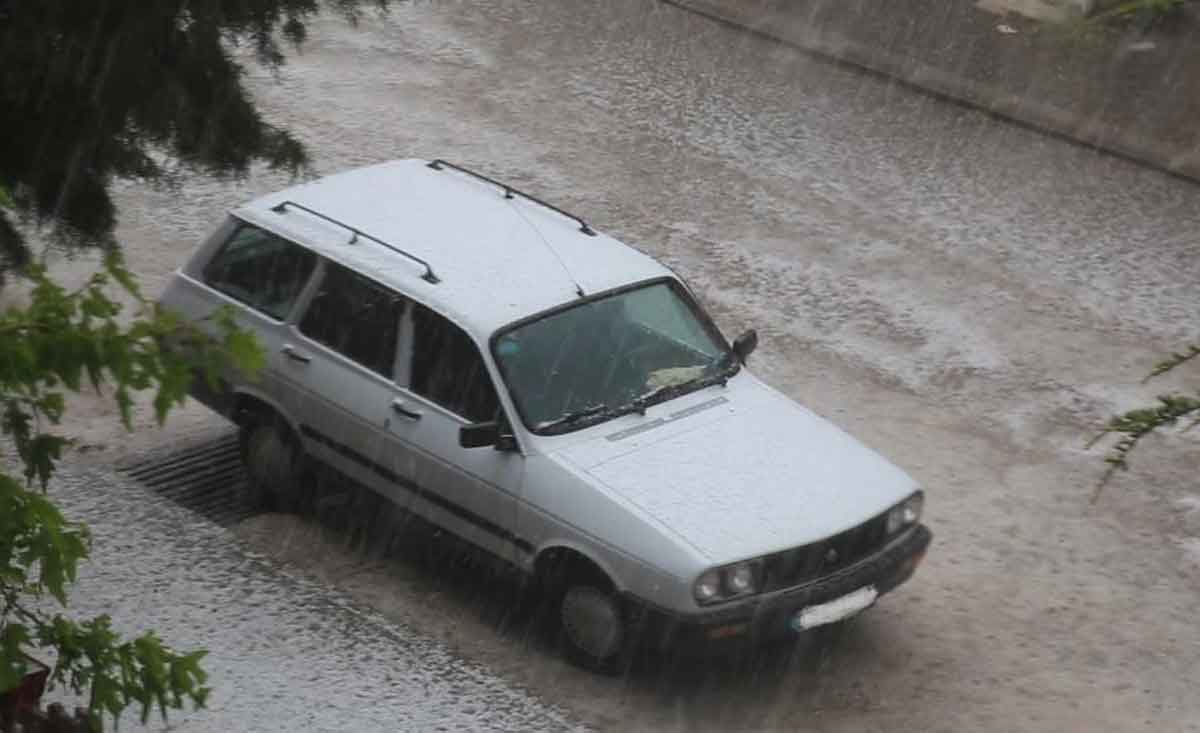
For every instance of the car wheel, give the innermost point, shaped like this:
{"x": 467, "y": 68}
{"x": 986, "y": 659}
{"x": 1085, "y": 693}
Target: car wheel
{"x": 593, "y": 627}
{"x": 274, "y": 462}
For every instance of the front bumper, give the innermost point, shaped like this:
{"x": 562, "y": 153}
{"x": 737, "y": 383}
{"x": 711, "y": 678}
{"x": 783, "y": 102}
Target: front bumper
{"x": 768, "y": 616}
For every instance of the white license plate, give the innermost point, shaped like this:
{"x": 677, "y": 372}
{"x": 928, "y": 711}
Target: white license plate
{"x": 835, "y": 610}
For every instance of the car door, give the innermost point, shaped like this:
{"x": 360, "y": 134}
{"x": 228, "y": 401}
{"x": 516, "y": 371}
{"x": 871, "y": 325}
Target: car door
{"x": 266, "y": 275}
{"x": 342, "y": 350}
{"x": 446, "y": 386}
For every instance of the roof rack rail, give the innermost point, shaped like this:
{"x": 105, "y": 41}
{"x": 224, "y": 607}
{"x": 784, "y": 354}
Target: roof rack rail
{"x": 429, "y": 275}
{"x": 509, "y": 192}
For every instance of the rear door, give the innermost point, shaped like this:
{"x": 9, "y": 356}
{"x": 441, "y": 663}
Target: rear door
{"x": 265, "y": 275}
{"x": 343, "y": 351}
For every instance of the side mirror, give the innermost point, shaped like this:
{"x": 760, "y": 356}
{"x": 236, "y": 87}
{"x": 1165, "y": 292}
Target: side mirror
{"x": 745, "y": 344}
{"x": 484, "y": 434}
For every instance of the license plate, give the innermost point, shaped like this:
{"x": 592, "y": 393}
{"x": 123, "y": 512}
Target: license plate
{"x": 835, "y": 610}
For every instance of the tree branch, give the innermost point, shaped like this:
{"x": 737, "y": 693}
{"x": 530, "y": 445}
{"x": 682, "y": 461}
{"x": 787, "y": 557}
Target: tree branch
{"x": 1137, "y": 424}
{"x": 1174, "y": 361}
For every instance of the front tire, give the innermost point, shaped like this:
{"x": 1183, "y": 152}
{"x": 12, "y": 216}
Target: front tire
{"x": 593, "y": 626}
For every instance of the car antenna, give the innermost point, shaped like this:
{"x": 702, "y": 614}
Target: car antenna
{"x": 578, "y": 288}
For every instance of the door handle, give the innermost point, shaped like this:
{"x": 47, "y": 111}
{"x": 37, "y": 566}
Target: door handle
{"x": 290, "y": 352}
{"x": 403, "y": 410}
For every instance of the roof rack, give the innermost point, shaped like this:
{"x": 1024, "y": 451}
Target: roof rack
{"x": 509, "y": 192}
{"x": 429, "y": 275}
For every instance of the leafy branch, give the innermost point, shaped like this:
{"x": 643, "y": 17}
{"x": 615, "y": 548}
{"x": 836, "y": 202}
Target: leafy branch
{"x": 1135, "y": 425}
{"x": 1145, "y": 13}
{"x": 1174, "y": 361}
{"x": 64, "y": 342}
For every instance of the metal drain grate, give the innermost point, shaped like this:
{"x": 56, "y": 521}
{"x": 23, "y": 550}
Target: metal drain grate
{"x": 207, "y": 479}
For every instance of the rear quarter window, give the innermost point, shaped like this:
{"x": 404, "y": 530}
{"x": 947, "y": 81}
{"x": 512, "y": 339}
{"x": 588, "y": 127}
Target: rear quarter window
{"x": 261, "y": 270}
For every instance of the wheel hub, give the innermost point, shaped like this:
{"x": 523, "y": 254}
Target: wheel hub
{"x": 592, "y": 621}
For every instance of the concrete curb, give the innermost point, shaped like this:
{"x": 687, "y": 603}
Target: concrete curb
{"x": 1032, "y": 114}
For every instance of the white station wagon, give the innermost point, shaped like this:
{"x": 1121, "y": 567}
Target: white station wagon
{"x": 490, "y": 363}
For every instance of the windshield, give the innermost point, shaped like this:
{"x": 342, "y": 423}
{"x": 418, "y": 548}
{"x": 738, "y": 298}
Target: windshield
{"x": 601, "y": 358}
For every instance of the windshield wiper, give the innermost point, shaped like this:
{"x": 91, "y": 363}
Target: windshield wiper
{"x": 727, "y": 367}
{"x": 572, "y": 417}
{"x": 654, "y": 396}
{"x": 640, "y": 404}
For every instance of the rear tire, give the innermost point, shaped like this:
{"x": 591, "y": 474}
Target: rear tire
{"x": 274, "y": 460}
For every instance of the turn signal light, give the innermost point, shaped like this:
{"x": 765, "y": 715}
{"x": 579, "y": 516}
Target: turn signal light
{"x": 724, "y": 632}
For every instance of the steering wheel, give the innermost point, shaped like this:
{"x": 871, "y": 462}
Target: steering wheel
{"x": 633, "y": 357}
{"x": 631, "y": 371}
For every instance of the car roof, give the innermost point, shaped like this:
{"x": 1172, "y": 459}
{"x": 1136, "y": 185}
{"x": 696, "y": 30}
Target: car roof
{"x": 496, "y": 259}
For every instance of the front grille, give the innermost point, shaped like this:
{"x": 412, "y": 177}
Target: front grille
{"x": 807, "y": 563}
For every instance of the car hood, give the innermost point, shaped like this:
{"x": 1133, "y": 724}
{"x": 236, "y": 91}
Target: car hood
{"x": 740, "y": 471}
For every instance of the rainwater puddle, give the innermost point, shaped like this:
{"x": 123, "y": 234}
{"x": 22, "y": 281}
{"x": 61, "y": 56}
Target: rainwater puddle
{"x": 206, "y": 478}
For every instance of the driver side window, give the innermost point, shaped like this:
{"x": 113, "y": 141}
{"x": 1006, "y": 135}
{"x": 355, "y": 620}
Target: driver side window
{"x": 448, "y": 369}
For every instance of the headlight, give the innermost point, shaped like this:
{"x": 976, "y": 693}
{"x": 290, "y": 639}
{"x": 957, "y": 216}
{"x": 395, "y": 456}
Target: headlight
{"x": 708, "y": 587}
{"x": 906, "y": 513}
{"x": 723, "y": 584}
{"x": 739, "y": 579}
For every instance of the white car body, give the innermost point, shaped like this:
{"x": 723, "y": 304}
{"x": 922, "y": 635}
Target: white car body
{"x": 655, "y": 498}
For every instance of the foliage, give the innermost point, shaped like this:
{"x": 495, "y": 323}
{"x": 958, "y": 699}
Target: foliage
{"x": 1134, "y": 425}
{"x": 65, "y": 342}
{"x": 125, "y": 88}
{"x": 131, "y": 88}
{"x": 1144, "y": 14}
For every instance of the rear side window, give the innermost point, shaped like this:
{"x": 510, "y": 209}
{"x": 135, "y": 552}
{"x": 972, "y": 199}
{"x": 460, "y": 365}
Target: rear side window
{"x": 448, "y": 369}
{"x": 262, "y": 270}
{"x": 355, "y": 317}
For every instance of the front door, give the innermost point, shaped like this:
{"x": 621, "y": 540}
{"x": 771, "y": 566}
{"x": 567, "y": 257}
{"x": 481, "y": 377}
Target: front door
{"x": 469, "y": 491}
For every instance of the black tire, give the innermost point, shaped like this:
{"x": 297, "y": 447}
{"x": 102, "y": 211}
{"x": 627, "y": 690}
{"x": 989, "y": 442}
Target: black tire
{"x": 593, "y": 627}
{"x": 275, "y": 465}
{"x": 576, "y": 604}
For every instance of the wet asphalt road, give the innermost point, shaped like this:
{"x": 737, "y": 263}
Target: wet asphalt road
{"x": 284, "y": 653}
{"x": 970, "y": 299}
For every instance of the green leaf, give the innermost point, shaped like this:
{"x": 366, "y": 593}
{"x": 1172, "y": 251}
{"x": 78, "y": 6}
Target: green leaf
{"x": 44, "y": 452}
{"x": 1135, "y": 425}
{"x": 45, "y": 347}
{"x": 114, "y": 264}
{"x": 125, "y": 405}
{"x": 14, "y": 665}
{"x": 1173, "y": 362}
{"x": 58, "y": 546}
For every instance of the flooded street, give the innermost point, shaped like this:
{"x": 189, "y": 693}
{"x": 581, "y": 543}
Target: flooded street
{"x": 968, "y": 298}
{"x": 284, "y": 653}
